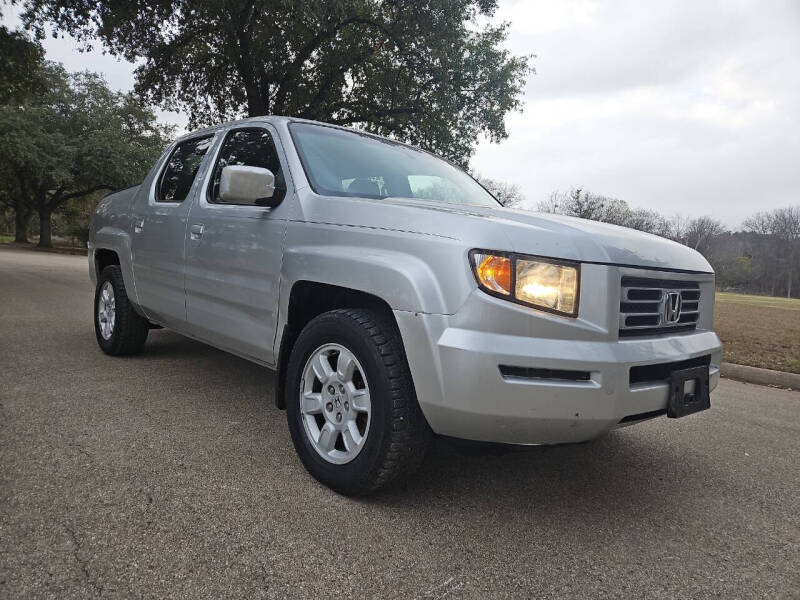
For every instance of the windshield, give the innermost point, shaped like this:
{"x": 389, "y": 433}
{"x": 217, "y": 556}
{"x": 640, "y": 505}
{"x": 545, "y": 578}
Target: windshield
{"x": 347, "y": 163}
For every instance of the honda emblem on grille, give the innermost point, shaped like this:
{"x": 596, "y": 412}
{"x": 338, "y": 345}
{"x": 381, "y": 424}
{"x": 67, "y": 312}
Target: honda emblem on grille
{"x": 672, "y": 307}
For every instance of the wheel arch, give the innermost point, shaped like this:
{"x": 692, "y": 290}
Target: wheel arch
{"x": 112, "y": 245}
{"x": 308, "y": 299}
{"x": 104, "y": 257}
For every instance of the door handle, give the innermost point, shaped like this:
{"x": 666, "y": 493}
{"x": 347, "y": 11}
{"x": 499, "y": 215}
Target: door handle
{"x": 138, "y": 225}
{"x": 196, "y": 231}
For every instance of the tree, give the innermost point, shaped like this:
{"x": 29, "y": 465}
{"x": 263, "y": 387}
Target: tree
{"x": 508, "y": 194}
{"x": 19, "y": 61}
{"x": 76, "y": 138}
{"x": 587, "y": 205}
{"x": 11, "y": 198}
{"x": 779, "y": 232}
{"x": 763, "y": 258}
{"x": 700, "y": 233}
{"x": 429, "y": 72}
{"x": 787, "y": 228}
{"x": 20, "y": 58}
{"x": 649, "y": 221}
{"x": 697, "y": 233}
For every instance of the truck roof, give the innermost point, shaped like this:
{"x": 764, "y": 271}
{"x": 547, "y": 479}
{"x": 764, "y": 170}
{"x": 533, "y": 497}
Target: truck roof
{"x": 265, "y": 118}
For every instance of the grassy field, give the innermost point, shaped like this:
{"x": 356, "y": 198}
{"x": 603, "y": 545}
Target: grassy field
{"x": 760, "y": 331}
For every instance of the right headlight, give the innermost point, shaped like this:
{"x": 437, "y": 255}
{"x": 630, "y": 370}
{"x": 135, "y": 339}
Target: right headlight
{"x": 542, "y": 283}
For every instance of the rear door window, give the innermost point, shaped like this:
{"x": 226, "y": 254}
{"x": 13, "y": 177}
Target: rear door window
{"x": 181, "y": 169}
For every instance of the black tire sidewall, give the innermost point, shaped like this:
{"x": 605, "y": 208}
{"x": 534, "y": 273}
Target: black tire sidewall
{"x": 130, "y": 329}
{"x": 331, "y": 328}
{"x": 108, "y": 345}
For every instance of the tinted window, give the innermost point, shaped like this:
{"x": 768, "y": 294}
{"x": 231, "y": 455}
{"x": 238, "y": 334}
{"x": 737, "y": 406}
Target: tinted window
{"x": 251, "y": 148}
{"x": 348, "y": 163}
{"x": 182, "y": 166}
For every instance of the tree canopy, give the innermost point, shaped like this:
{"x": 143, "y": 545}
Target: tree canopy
{"x": 69, "y": 140}
{"x": 433, "y": 73}
{"x": 19, "y": 61}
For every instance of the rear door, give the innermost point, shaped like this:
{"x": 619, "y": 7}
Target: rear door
{"x": 159, "y": 232}
{"x": 234, "y": 252}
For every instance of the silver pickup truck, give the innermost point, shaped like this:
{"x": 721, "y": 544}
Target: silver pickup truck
{"x": 396, "y": 298}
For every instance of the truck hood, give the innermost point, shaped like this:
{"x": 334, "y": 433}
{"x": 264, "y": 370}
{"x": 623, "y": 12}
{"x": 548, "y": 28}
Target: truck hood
{"x": 540, "y": 234}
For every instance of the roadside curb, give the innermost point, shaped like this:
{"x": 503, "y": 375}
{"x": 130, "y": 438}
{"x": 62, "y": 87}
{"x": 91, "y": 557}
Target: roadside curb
{"x": 761, "y": 376}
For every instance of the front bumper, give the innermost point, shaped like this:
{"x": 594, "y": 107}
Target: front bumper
{"x": 463, "y": 393}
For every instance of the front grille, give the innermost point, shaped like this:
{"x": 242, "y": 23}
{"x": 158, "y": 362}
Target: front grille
{"x": 643, "y": 307}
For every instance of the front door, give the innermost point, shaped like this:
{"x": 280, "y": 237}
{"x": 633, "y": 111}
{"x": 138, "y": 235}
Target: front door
{"x": 234, "y": 252}
{"x": 159, "y": 233}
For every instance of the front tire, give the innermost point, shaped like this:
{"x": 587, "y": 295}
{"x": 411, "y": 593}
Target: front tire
{"x": 350, "y": 402}
{"x": 119, "y": 329}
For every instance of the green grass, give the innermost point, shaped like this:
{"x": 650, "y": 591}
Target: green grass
{"x": 766, "y": 301}
{"x": 6, "y": 239}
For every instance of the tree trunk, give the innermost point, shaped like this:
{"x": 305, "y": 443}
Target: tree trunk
{"x": 22, "y": 218}
{"x": 45, "y": 233}
{"x": 256, "y": 106}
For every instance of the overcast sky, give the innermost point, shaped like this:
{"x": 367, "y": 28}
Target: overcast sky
{"x": 689, "y": 107}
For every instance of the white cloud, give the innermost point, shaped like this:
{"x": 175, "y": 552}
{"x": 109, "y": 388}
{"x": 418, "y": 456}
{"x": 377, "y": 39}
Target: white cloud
{"x": 689, "y": 107}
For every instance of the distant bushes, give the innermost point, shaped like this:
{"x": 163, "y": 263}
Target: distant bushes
{"x": 762, "y": 257}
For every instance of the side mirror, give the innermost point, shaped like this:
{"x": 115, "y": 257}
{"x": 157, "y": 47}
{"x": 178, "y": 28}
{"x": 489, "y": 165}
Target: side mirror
{"x": 252, "y": 186}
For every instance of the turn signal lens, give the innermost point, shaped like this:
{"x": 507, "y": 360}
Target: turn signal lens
{"x": 494, "y": 272}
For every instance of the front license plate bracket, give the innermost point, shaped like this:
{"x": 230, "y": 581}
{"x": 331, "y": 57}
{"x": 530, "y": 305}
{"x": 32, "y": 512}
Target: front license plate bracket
{"x": 688, "y": 392}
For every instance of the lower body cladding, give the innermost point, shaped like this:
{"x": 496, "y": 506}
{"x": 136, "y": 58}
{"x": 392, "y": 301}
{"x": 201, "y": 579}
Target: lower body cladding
{"x": 518, "y": 389}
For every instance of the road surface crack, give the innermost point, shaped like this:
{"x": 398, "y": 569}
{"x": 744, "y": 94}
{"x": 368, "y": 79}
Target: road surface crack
{"x": 83, "y": 565}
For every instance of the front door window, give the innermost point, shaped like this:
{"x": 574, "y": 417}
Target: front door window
{"x": 251, "y": 148}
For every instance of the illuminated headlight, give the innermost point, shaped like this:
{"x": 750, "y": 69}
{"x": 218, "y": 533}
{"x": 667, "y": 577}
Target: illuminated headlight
{"x": 550, "y": 285}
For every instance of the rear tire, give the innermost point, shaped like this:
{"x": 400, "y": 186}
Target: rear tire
{"x": 392, "y": 434}
{"x": 119, "y": 329}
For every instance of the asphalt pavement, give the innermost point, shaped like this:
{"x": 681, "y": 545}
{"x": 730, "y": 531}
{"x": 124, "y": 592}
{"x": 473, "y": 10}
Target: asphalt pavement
{"x": 172, "y": 475}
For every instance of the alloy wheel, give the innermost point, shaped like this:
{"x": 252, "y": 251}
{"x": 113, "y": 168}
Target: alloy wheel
{"x": 106, "y": 310}
{"x": 335, "y": 404}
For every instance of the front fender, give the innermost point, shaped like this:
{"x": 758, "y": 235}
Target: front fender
{"x": 412, "y": 273}
{"x": 403, "y": 281}
{"x": 110, "y": 230}
{"x": 119, "y": 241}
